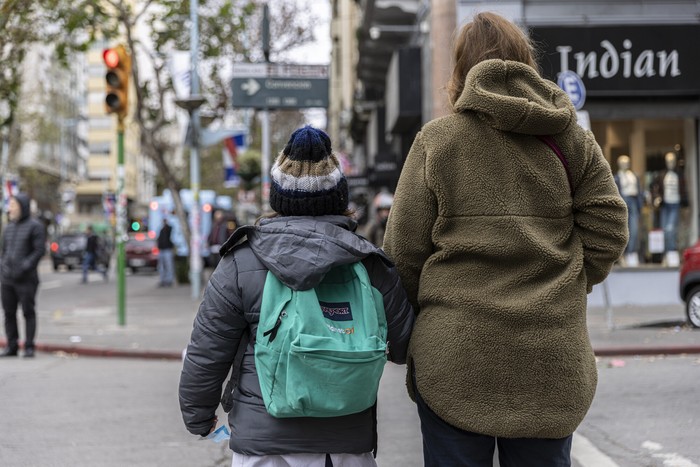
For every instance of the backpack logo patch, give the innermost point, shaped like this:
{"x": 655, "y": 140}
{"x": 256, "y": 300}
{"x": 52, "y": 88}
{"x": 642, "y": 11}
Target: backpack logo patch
{"x": 340, "y": 311}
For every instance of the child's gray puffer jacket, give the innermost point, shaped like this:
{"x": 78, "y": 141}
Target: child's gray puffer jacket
{"x": 299, "y": 251}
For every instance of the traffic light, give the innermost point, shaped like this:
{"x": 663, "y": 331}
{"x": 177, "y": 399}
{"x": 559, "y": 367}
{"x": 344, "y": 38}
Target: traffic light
{"x": 118, "y": 63}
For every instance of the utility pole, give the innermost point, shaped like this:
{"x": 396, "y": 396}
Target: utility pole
{"x": 192, "y": 104}
{"x": 195, "y": 242}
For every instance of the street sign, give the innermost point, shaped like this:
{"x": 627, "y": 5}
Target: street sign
{"x": 276, "y": 85}
{"x": 571, "y": 83}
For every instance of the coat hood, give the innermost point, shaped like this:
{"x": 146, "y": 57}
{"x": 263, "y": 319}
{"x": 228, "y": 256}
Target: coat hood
{"x": 301, "y": 250}
{"x": 511, "y": 96}
{"x": 24, "y": 203}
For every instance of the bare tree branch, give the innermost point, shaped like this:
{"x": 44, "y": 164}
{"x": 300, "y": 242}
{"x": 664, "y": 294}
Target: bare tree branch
{"x": 138, "y": 16}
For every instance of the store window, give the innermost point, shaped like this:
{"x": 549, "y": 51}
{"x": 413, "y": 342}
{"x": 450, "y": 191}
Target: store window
{"x": 648, "y": 159}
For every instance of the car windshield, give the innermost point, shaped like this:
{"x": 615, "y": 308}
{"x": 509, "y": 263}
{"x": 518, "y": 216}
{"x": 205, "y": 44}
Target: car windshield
{"x": 72, "y": 240}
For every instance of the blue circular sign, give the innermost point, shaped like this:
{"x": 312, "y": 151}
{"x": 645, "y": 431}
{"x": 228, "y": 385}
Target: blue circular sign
{"x": 571, "y": 83}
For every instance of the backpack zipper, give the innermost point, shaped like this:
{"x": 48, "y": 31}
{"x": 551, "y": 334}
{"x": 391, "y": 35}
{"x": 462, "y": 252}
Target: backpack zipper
{"x": 273, "y": 331}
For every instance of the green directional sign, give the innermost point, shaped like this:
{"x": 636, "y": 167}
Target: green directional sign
{"x": 276, "y": 85}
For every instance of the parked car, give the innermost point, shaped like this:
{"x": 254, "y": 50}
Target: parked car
{"x": 68, "y": 250}
{"x": 690, "y": 283}
{"x": 141, "y": 252}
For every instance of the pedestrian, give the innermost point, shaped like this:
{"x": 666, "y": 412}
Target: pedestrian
{"x": 497, "y": 249}
{"x": 166, "y": 260}
{"x": 382, "y": 206}
{"x": 91, "y": 255}
{"x": 310, "y": 233}
{"x": 222, "y": 227}
{"x": 23, "y": 245}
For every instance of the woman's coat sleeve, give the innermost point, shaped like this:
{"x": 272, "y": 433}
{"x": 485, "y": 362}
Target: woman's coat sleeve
{"x": 600, "y": 215}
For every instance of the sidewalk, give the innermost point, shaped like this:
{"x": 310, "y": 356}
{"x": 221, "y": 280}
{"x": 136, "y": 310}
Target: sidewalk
{"x": 159, "y": 322}
{"x": 642, "y": 330}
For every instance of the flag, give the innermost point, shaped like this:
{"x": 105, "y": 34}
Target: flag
{"x": 9, "y": 189}
{"x": 232, "y": 145}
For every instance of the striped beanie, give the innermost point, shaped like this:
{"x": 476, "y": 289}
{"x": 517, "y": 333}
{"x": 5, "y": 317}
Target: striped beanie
{"x": 306, "y": 177}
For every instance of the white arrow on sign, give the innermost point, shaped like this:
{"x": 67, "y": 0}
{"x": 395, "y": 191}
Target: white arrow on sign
{"x": 251, "y": 86}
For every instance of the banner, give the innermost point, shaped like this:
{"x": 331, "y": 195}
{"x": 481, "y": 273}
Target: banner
{"x": 232, "y": 145}
{"x": 180, "y": 72}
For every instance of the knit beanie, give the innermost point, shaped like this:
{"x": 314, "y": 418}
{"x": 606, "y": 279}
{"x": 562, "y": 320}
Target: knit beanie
{"x": 306, "y": 177}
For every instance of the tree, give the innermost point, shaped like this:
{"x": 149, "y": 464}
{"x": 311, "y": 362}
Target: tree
{"x": 229, "y": 32}
{"x": 249, "y": 169}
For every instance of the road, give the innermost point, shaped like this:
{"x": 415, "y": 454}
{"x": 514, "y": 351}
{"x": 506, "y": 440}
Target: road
{"x": 646, "y": 413}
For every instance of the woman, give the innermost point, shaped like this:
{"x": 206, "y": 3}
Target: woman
{"x": 311, "y": 234}
{"x": 497, "y": 252}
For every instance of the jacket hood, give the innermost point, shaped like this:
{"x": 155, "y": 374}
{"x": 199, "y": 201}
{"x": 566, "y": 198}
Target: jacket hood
{"x": 301, "y": 250}
{"x": 511, "y": 96}
{"x": 23, "y": 201}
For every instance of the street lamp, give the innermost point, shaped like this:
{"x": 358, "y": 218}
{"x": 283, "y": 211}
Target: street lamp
{"x": 191, "y": 104}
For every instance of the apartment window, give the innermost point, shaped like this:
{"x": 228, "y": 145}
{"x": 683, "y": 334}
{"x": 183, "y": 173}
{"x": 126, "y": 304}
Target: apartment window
{"x": 96, "y": 97}
{"x": 101, "y": 123}
{"x": 96, "y": 70}
{"x": 100, "y": 147}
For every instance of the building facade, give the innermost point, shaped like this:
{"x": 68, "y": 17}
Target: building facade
{"x": 50, "y": 141}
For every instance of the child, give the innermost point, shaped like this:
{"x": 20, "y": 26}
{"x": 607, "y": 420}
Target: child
{"x": 311, "y": 232}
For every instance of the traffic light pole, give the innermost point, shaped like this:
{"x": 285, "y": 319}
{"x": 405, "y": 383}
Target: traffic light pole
{"x": 121, "y": 226}
{"x": 118, "y": 61}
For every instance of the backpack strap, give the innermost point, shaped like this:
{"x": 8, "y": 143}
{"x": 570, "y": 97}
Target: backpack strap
{"x": 227, "y": 396}
{"x": 549, "y": 141}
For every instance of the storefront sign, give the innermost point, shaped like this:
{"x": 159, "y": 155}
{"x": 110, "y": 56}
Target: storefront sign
{"x": 624, "y": 60}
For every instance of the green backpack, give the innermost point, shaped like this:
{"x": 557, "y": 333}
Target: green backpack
{"x": 321, "y": 352}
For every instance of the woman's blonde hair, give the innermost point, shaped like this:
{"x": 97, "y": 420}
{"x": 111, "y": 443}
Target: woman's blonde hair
{"x": 487, "y": 36}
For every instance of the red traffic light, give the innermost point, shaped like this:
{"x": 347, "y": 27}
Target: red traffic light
{"x": 111, "y": 58}
{"x": 118, "y": 63}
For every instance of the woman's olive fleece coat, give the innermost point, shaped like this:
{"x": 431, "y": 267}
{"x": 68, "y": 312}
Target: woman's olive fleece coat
{"x": 497, "y": 255}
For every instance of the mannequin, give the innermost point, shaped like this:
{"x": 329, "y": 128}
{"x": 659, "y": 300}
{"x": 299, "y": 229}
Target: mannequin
{"x": 669, "y": 193}
{"x": 631, "y": 191}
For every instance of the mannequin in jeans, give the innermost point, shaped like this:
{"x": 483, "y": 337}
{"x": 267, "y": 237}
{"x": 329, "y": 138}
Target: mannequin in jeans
{"x": 630, "y": 189}
{"x": 668, "y": 196}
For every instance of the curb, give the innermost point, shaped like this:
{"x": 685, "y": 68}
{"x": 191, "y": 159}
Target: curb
{"x": 658, "y": 350}
{"x": 102, "y": 352}
{"x": 177, "y": 355}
